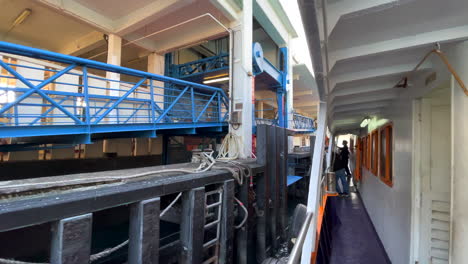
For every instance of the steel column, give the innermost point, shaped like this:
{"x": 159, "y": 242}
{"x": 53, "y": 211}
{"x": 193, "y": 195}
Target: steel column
{"x": 71, "y": 240}
{"x": 227, "y": 226}
{"x": 263, "y": 193}
{"x": 192, "y": 226}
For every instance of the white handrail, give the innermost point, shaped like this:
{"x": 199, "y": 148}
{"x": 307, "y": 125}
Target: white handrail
{"x": 315, "y": 184}
{"x": 297, "y": 249}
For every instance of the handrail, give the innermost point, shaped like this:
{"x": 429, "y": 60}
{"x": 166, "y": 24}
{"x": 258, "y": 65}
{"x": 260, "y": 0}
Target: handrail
{"x": 296, "y": 252}
{"x": 303, "y": 122}
{"x": 206, "y": 65}
{"x": 57, "y": 57}
{"x": 67, "y": 100}
{"x": 446, "y": 62}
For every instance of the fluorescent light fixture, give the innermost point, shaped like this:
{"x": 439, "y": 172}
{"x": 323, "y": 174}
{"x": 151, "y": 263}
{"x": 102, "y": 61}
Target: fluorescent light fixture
{"x": 365, "y": 122}
{"x": 216, "y": 80}
{"x": 21, "y": 17}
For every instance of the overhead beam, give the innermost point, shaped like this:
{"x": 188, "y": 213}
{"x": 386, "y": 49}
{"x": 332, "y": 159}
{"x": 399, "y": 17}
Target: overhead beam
{"x": 267, "y": 17}
{"x": 302, "y": 93}
{"x": 79, "y": 11}
{"x": 365, "y": 99}
{"x": 308, "y": 103}
{"x": 393, "y": 70}
{"x": 84, "y": 44}
{"x": 357, "y": 114}
{"x": 229, "y": 8}
{"x": 364, "y": 107}
{"x": 283, "y": 17}
{"x": 407, "y": 42}
{"x": 345, "y": 8}
{"x": 147, "y": 14}
{"x": 348, "y": 90}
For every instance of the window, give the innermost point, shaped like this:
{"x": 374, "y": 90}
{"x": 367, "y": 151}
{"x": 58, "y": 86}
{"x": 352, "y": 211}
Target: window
{"x": 369, "y": 152}
{"x": 386, "y": 154}
{"x": 363, "y": 152}
{"x": 357, "y": 170}
{"x": 374, "y": 152}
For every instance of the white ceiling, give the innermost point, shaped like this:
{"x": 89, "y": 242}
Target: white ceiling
{"x": 157, "y": 25}
{"x": 115, "y": 9}
{"x": 44, "y": 28}
{"x": 373, "y": 44}
{"x": 304, "y": 92}
{"x": 177, "y": 29}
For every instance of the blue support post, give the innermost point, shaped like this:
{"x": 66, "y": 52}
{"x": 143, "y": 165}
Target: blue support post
{"x": 192, "y": 98}
{"x": 16, "y": 115}
{"x": 153, "y": 104}
{"x": 280, "y": 100}
{"x": 219, "y": 109}
{"x": 283, "y": 115}
{"x": 87, "y": 105}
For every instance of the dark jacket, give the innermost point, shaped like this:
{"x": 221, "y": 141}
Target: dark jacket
{"x": 339, "y": 162}
{"x": 344, "y": 153}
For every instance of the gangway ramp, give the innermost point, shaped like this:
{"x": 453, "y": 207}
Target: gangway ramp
{"x": 66, "y": 98}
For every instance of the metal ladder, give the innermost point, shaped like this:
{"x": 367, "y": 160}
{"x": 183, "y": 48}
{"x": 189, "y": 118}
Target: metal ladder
{"x": 213, "y": 222}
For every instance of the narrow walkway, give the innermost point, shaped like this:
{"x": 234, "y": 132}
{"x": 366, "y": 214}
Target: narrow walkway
{"x": 354, "y": 240}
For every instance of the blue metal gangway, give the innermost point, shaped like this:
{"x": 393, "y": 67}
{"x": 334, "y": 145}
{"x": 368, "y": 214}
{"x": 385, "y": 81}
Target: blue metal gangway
{"x": 44, "y": 93}
{"x": 303, "y": 124}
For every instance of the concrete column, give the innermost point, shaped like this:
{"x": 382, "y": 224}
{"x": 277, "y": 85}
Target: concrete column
{"x": 459, "y": 214}
{"x": 114, "y": 54}
{"x": 242, "y": 78}
{"x": 260, "y": 109}
{"x": 156, "y": 65}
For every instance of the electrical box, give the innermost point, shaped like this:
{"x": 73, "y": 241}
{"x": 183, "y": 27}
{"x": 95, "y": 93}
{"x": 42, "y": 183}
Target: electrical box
{"x": 236, "y": 117}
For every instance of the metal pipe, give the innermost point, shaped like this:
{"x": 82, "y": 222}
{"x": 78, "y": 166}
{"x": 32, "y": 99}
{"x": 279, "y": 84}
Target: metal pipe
{"x": 296, "y": 252}
{"x": 325, "y": 42}
{"x": 231, "y": 71}
{"x": 447, "y": 64}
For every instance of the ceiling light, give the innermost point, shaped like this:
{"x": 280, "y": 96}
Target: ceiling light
{"x": 22, "y": 17}
{"x": 365, "y": 122}
{"x": 216, "y": 80}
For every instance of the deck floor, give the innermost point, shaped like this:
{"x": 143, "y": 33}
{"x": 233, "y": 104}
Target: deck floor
{"x": 355, "y": 240}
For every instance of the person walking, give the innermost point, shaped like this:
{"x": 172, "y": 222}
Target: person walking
{"x": 344, "y": 151}
{"x": 339, "y": 166}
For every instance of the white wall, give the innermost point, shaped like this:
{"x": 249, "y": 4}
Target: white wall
{"x": 390, "y": 207}
{"x": 459, "y": 254}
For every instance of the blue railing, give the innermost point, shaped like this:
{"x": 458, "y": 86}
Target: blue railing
{"x": 303, "y": 123}
{"x": 203, "y": 66}
{"x": 79, "y": 96}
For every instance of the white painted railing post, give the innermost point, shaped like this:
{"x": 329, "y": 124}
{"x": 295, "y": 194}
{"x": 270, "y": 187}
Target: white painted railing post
{"x": 314, "y": 185}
